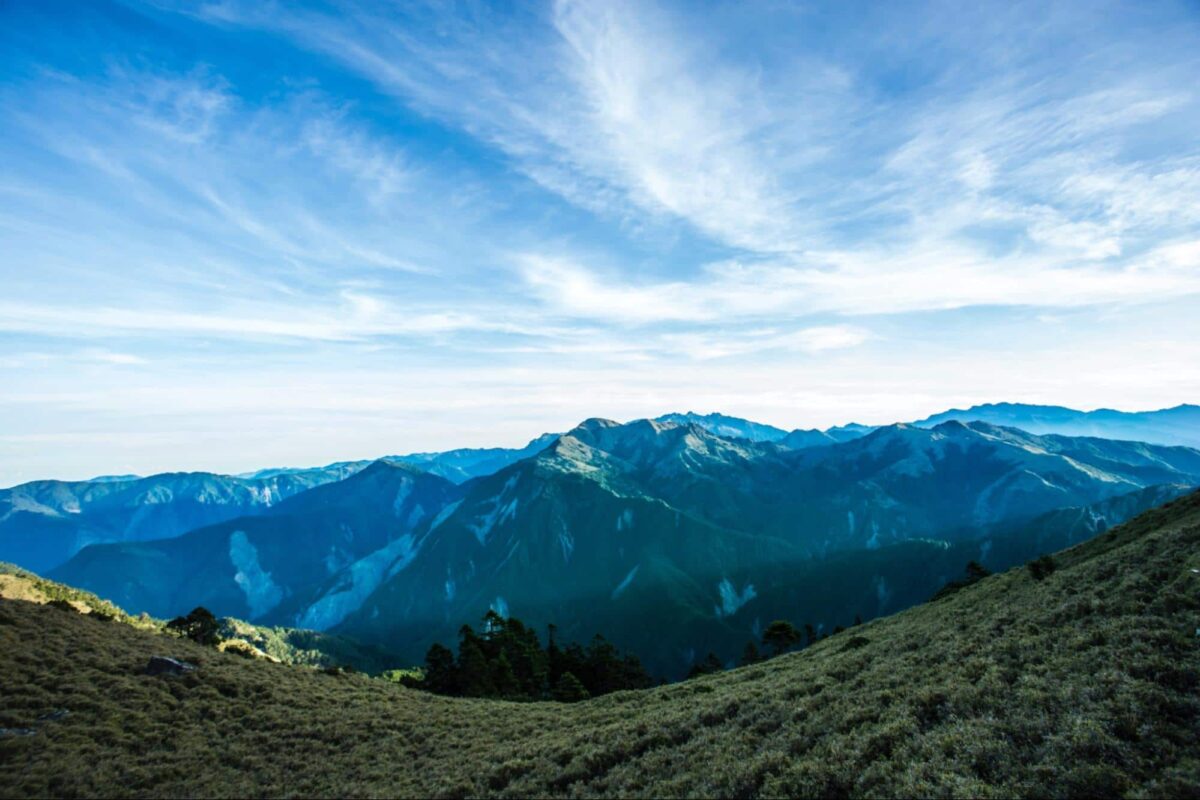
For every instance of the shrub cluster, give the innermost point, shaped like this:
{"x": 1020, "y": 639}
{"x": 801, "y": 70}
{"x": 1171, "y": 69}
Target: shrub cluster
{"x": 1040, "y": 568}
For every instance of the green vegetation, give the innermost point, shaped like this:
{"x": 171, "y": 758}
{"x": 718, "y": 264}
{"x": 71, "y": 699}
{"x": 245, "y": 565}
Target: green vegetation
{"x": 975, "y": 573}
{"x": 507, "y": 661}
{"x": 307, "y": 648}
{"x": 200, "y": 626}
{"x": 781, "y": 636}
{"x": 21, "y": 584}
{"x": 286, "y": 645}
{"x": 1041, "y": 567}
{"x": 1081, "y": 684}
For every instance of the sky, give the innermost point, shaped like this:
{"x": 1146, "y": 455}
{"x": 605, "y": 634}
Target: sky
{"x": 246, "y": 234}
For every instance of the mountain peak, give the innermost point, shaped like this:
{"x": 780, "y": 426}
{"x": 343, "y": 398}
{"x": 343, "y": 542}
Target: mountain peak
{"x": 384, "y": 466}
{"x": 726, "y": 426}
{"x": 592, "y": 424}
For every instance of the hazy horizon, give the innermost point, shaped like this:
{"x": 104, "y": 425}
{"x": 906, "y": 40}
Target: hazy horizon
{"x": 236, "y": 235}
{"x": 234, "y": 468}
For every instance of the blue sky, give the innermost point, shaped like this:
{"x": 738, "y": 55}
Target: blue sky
{"x": 240, "y": 234}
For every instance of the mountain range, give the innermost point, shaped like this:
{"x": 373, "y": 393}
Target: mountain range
{"x": 669, "y": 538}
{"x": 247, "y": 567}
{"x": 1174, "y": 426}
{"x": 454, "y": 465}
{"x": 1179, "y": 425}
{"x": 43, "y": 523}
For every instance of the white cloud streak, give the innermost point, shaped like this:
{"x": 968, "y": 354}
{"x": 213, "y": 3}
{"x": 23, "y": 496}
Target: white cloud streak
{"x": 623, "y": 108}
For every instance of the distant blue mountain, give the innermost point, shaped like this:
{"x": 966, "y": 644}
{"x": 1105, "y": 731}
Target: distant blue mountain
{"x": 319, "y": 552}
{"x": 43, "y": 523}
{"x": 1171, "y": 426}
{"x": 458, "y": 465}
{"x": 463, "y": 464}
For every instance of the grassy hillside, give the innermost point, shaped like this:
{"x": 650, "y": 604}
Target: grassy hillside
{"x": 286, "y": 645}
{"x": 1083, "y": 683}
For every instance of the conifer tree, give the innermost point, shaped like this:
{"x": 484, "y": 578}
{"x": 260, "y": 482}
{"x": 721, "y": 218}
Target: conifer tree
{"x": 475, "y": 678}
{"x": 504, "y": 679}
{"x": 569, "y": 689}
{"x": 200, "y": 626}
{"x": 780, "y": 636}
{"x": 441, "y": 675}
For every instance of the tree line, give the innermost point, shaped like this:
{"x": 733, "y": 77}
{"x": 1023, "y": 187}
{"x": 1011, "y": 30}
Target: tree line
{"x": 506, "y": 660}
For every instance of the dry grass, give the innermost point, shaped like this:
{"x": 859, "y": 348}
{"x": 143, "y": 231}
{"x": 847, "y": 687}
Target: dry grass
{"x": 18, "y": 587}
{"x": 1080, "y": 685}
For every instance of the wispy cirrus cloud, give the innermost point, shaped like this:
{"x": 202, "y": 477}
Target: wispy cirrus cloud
{"x": 934, "y": 276}
{"x": 354, "y": 317}
{"x": 606, "y": 108}
{"x": 630, "y": 110}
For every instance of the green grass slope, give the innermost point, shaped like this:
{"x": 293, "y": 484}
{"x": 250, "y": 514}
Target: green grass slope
{"x": 287, "y": 645}
{"x": 1083, "y": 684}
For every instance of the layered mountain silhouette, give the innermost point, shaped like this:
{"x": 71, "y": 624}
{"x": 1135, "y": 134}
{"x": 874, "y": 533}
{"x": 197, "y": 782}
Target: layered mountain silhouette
{"x": 671, "y": 539}
{"x": 273, "y": 565}
{"x": 1179, "y": 425}
{"x": 454, "y": 465}
{"x": 1176, "y": 426}
{"x": 43, "y": 523}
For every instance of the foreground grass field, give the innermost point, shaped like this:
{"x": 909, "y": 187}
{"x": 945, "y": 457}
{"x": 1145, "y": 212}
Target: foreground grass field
{"x": 1081, "y": 684}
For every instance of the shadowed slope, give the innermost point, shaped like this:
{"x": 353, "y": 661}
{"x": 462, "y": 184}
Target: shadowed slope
{"x": 267, "y": 566}
{"x": 44, "y": 523}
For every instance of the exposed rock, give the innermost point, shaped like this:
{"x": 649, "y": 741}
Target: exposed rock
{"x": 54, "y": 716}
{"x": 6, "y": 732}
{"x": 163, "y": 665}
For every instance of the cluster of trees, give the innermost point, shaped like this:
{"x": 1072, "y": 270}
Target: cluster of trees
{"x": 506, "y": 660}
{"x": 778, "y": 638}
{"x": 201, "y": 626}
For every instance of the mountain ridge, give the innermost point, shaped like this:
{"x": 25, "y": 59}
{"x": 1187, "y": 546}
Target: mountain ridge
{"x": 43, "y": 523}
{"x": 249, "y": 566}
{"x": 610, "y": 519}
{"x": 1177, "y": 425}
